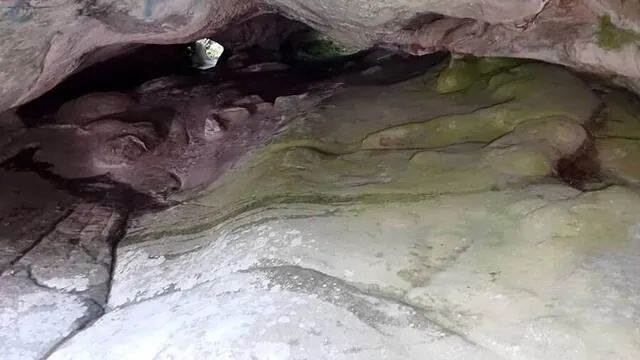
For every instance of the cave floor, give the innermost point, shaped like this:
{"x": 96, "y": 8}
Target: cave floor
{"x": 396, "y": 221}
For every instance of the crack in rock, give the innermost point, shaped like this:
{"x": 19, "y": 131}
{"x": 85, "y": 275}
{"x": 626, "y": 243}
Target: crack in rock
{"x": 93, "y": 314}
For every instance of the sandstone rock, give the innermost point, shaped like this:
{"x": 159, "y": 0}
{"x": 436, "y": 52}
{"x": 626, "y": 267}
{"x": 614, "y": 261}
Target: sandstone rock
{"x": 522, "y": 93}
{"x": 508, "y": 271}
{"x": 270, "y": 313}
{"x": 46, "y": 45}
{"x": 34, "y": 320}
{"x": 324, "y": 243}
{"x": 618, "y": 139}
{"x": 556, "y": 137}
{"x": 93, "y": 106}
{"x": 30, "y": 207}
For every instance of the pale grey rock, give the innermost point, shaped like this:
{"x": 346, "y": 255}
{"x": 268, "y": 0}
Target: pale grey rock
{"x": 55, "y": 258}
{"x": 518, "y": 273}
{"x": 269, "y": 313}
{"x": 76, "y": 255}
{"x": 33, "y": 319}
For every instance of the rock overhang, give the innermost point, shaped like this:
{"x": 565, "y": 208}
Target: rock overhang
{"x": 47, "y": 44}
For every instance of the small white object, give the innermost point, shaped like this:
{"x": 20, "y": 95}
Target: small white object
{"x": 206, "y": 53}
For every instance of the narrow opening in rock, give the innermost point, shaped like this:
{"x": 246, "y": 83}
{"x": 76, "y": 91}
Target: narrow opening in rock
{"x": 266, "y": 54}
{"x": 269, "y": 64}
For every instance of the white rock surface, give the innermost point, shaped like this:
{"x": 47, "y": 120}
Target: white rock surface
{"x": 269, "y": 314}
{"x": 33, "y": 319}
{"x": 519, "y": 275}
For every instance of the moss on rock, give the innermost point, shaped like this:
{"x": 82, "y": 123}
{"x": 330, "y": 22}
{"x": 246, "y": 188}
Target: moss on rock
{"x": 620, "y": 159}
{"x": 458, "y": 76}
{"x": 433, "y": 143}
{"x": 612, "y": 37}
{"x": 322, "y": 50}
{"x": 462, "y": 73}
{"x": 524, "y": 93}
{"x": 618, "y": 139}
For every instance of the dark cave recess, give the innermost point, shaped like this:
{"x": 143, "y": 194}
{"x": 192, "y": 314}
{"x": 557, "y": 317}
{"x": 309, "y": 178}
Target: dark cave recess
{"x": 268, "y": 38}
{"x": 143, "y": 62}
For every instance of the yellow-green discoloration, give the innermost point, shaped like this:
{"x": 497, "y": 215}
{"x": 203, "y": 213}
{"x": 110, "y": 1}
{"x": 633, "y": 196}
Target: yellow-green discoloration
{"x": 621, "y": 116}
{"x": 321, "y": 48}
{"x": 528, "y": 92}
{"x": 612, "y": 37}
{"x": 326, "y": 49}
{"x": 620, "y": 159}
{"x": 458, "y": 76}
{"x": 462, "y": 73}
{"x": 618, "y": 139}
{"x": 439, "y": 144}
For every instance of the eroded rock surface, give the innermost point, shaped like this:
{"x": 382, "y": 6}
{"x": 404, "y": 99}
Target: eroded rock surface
{"x": 55, "y": 264}
{"x": 174, "y": 138}
{"x": 392, "y": 222}
{"x": 49, "y": 42}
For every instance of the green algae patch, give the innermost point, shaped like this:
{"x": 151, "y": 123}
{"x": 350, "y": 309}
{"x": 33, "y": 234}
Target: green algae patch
{"x": 527, "y": 92}
{"x": 621, "y": 116}
{"x": 299, "y": 175}
{"x": 520, "y": 162}
{"x": 485, "y": 169}
{"x": 323, "y": 50}
{"x": 612, "y": 37}
{"x": 463, "y": 73}
{"x": 457, "y": 77}
{"x": 619, "y": 159}
{"x": 480, "y": 126}
{"x": 433, "y": 144}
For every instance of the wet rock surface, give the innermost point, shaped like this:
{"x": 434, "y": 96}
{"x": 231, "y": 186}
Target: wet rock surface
{"x": 433, "y": 217}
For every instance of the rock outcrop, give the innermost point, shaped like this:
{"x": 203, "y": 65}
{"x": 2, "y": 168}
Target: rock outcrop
{"x": 44, "y": 43}
{"x": 391, "y": 221}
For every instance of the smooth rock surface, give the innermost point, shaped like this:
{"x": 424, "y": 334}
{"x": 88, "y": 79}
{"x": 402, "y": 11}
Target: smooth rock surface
{"x": 34, "y": 319}
{"x": 532, "y": 274}
{"x": 348, "y": 236}
{"x": 272, "y": 313}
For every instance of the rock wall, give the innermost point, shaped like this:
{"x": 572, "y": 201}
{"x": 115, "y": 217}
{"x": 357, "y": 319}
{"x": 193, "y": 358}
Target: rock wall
{"x": 393, "y": 222}
{"x": 47, "y": 42}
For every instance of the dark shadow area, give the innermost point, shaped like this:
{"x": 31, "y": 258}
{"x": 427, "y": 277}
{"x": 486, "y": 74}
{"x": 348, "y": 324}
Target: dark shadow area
{"x": 98, "y": 189}
{"x": 250, "y": 48}
{"x": 121, "y": 73}
{"x": 269, "y": 56}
